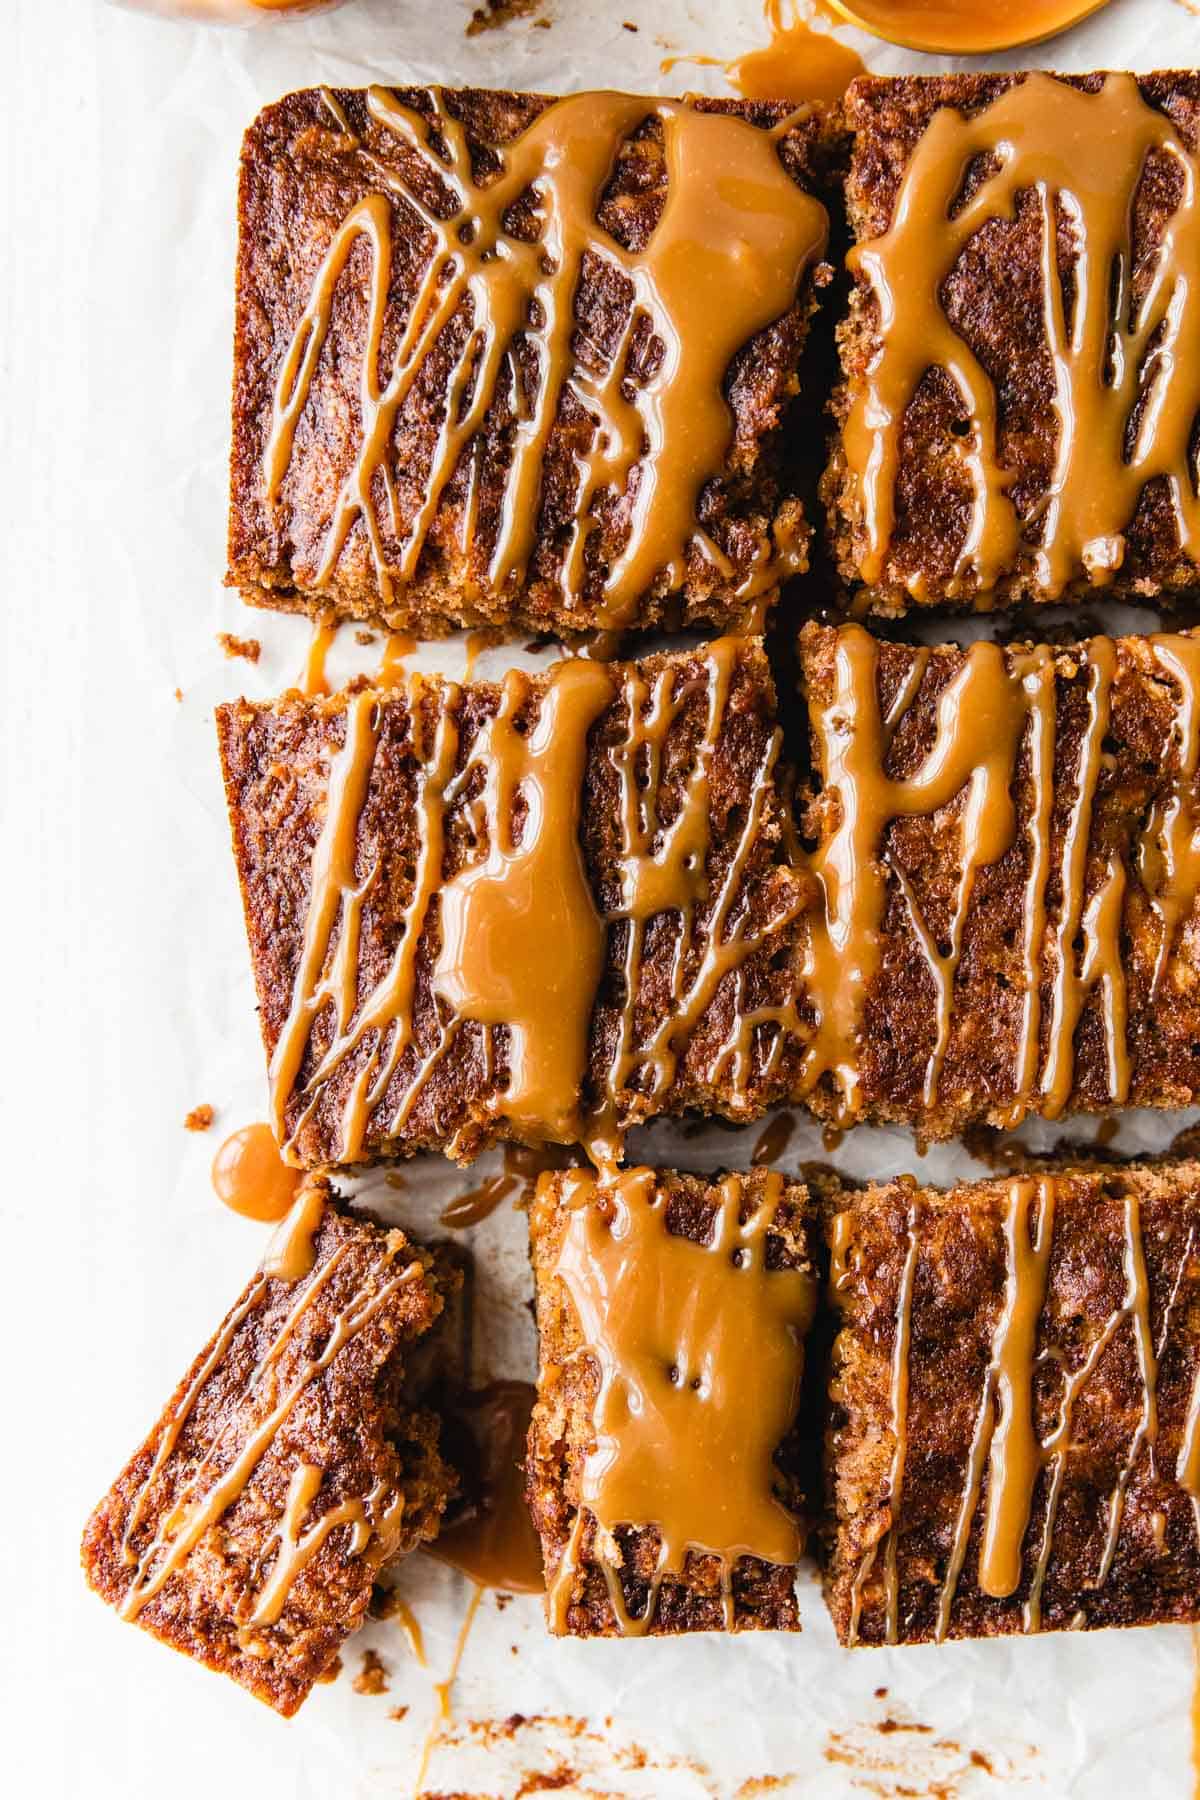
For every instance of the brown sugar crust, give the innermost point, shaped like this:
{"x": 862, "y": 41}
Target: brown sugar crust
{"x": 351, "y": 1422}
{"x": 958, "y": 1290}
{"x": 1139, "y": 764}
{"x": 993, "y": 299}
{"x": 562, "y": 1433}
{"x": 276, "y": 761}
{"x": 300, "y": 177}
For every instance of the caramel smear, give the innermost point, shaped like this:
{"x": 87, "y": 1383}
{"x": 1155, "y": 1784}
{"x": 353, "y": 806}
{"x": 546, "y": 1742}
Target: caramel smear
{"x": 250, "y": 1176}
{"x": 1008, "y": 1444}
{"x": 479, "y": 1203}
{"x": 495, "y": 1546}
{"x": 1126, "y": 392}
{"x": 682, "y": 1335}
{"x": 313, "y": 678}
{"x": 996, "y": 706}
{"x": 724, "y": 262}
{"x": 520, "y": 938}
{"x": 797, "y": 64}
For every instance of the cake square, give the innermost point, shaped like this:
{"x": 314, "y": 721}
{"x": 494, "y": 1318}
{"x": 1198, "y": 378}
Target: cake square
{"x": 511, "y": 361}
{"x": 1007, "y": 843}
{"x": 289, "y": 1467}
{"x": 663, "y": 1468}
{"x": 1013, "y": 1429}
{"x": 541, "y": 911}
{"x": 1018, "y": 425}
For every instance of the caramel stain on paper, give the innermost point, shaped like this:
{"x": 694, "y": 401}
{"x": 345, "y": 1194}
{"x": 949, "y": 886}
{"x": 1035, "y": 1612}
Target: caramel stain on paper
{"x": 895, "y": 1758}
{"x": 796, "y": 62}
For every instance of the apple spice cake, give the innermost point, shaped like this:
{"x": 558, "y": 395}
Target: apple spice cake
{"x": 541, "y": 910}
{"x": 509, "y": 360}
{"x": 289, "y": 1466}
{"x": 662, "y": 1468}
{"x": 1019, "y": 415}
{"x": 1013, "y": 1429}
{"x": 1007, "y": 843}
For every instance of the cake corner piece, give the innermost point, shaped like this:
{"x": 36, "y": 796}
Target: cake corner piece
{"x": 288, "y": 1468}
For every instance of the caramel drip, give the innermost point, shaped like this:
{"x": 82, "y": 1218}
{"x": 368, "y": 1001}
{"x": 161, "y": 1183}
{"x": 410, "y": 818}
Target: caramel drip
{"x": 797, "y": 63}
{"x": 522, "y": 942}
{"x": 397, "y": 648}
{"x": 664, "y": 868}
{"x": 183, "y": 1411}
{"x": 1016, "y": 1454}
{"x": 724, "y": 262}
{"x": 522, "y": 945}
{"x": 991, "y": 708}
{"x": 297, "y": 1547}
{"x": 495, "y": 1545}
{"x": 1119, "y": 369}
{"x": 250, "y": 1176}
{"x": 313, "y": 678}
{"x": 902, "y": 1335}
{"x": 1015, "y": 1460}
{"x": 292, "y": 1250}
{"x": 194, "y": 1513}
{"x": 681, "y": 1334}
{"x": 478, "y": 1203}
{"x": 773, "y": 1139}
{"x": 1169, "y": 850}
{"x": 980, "y": 721}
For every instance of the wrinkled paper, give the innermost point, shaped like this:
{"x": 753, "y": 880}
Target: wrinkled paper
{"x": 125, "y": 133}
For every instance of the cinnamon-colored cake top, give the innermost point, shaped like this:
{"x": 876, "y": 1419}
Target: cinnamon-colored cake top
{"x": 504, "y": 358}
{"x": 1020, "y": 407}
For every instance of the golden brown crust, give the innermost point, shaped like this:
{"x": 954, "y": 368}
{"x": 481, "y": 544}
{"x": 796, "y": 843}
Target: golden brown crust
{"x": 562, "y": 1433}
{"x": 300, "y": 177}
{"x": 350, "y": 1422}
{"x": 993, "y": 297}
{"x": 958, "y": 1294}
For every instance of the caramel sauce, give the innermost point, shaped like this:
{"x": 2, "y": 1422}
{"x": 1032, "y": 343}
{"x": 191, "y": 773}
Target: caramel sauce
{"x": 495, "y": 1545}
{"x": 961, "y": 27}
{"x": 681, "y": 1335}
{"x": 992, "y": 707}
{"x": 313, "y": 680}
{"x": 798, "y": 62}
{"x": 219, "y": 1480}
{"x": 250, "y": 1176}
{"x": 1113, "y": 363}
{"x": 398, "y": 646}
{"x": 725, "y": 261}
{"x": 774, "y": 1138}
{"x": 500, "y": 915}
{"x": 479, "y": 1203}
{"x": 1007, "y": 1442}
{"x": 292, "y": 1250}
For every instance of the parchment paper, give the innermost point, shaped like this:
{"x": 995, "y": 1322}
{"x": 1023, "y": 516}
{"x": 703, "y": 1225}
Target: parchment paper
{"x": 127, "y": 1000}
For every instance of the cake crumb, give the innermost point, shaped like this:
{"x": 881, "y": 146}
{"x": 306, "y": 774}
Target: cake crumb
{"x": 200, "y": 1117}
{"x": 397, "y": 1713}
{"x": 179, "y": 693}
{"x": 249, "y": 648}
{"x": 495, "y": 13}
{"x": 364, "y": 637}
{"x": 372, "y": 1677}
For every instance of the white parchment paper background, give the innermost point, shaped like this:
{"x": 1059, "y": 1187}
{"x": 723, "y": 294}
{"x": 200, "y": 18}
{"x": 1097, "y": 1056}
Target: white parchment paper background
{"x": 126, "y": 999}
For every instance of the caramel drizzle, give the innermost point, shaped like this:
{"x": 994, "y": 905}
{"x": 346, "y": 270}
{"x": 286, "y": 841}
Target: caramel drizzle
{"x": 522, "y": 944}
{"x": 1114, "y": 361}
{"x": 196, "y": 1509}
{"x": 680, "y": 1334}
{"x": 993, "y": 705}
{"x": 375, "y": 1514}
{"x": 724, "y": 262}
{"x": 1006, "y": 1437}
{"x": 664, "y": 869}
